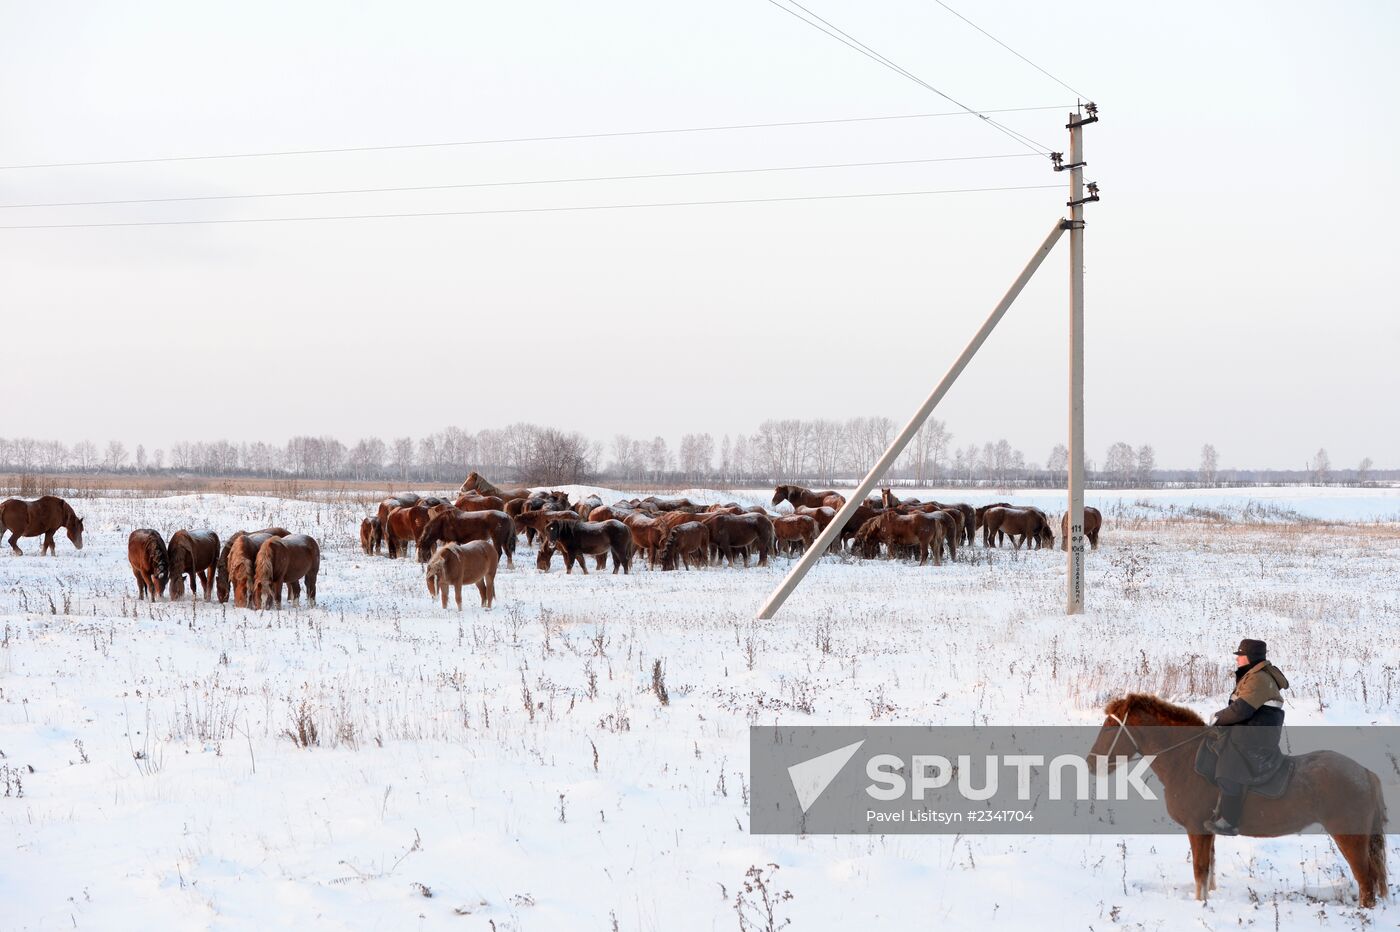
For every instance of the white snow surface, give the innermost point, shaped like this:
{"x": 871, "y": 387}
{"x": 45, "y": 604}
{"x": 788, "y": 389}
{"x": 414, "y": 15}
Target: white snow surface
{"x": 161, "y": 790}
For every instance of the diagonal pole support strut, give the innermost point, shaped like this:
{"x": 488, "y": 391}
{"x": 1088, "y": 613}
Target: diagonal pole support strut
{"x": 883, "y": 465}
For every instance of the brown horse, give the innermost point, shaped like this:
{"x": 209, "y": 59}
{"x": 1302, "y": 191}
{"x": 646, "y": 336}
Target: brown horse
{"x": 1326, "y": 788}
{"x": 194, "y": 554}
{"x": 533, "y": 523}
{"x": 730, "y": 533}
{"x": 1029, "y": 526}
{"x": 981, "y": 513}
{"x": 460, "y": 527}
{"x": 459, "y": 565}
{"x": 575, "y": 539}
{"x": 150, "y": 563}
{"x": 919, "y": 530}
{"x": 1093, "y": 523}
{"x": 476, "y": 482}
{"x": 474, "y": 502}
{"x": 797, "y": 495}
{"x": 402, "y": 500}
{"x": 402, "y": 527}
{"x": 41, "y": 516}
{"x": 648, "y": 535}
{"x": 222, "y": 581}
{"x": 690, "y": 541}
{"x": 286, "y": 561}
{"x": 795, "y": 533}
{"x": 371, "y": 535}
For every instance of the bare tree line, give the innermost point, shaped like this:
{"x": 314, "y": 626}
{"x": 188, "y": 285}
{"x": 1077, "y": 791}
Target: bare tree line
{"x": 814, "y": 452}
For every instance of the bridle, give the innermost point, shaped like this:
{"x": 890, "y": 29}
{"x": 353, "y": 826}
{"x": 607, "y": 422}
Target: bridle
{"x": 1137, "y": 748}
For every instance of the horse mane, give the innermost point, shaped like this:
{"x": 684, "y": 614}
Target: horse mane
{"x": 158, "y": 556}
{"x": 1174, "y": 714}
{"x": 262, "y": 564}
{"x": 178, "y": 554}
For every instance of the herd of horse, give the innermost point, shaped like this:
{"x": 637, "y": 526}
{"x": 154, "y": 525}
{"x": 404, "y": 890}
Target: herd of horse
{"x": 678, "y": 533}
{"x": 462, "y": 542}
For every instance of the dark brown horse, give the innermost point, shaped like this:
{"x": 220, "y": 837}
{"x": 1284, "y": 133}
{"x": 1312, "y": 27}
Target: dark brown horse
{"x": 1326, "y": 788}
{"x": 402, "y": 527}
{"x": 194, "y": 554}
{"x": 371, "y": 535}
{"x": 150, "y": 563}
{"x": 981, "y": 513}
{"x": 460, "y": 527}
{"x": 1093, "y": 523}
{"x": 459, "y": 565}
{"x": 1029, "y": 526}
{"x": 286, "y": 561}
{"x": 737, "y": 533}
{"x": 223, "y": 580}
{"x": 575, "y": 539}
{"x": 476, "y": 482}
{"x": 690, "y": 542}
{"x": 41, "y": 516}
{"x": 797, "y": 495}
{"x": 532, "y": 523}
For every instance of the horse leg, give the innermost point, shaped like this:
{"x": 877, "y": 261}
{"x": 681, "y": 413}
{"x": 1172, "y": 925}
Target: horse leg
{"x": 1355, "y": 848}
{"x": 209, "y": 583}
{"x": 311, "y": 590}
{"x": 442, "y": 591}
{"x": 1202, "y": 847}
{"x": 458, "y": 587}
{"x": 49, "y": 545}
{"x": 140, "y": 585}
{"x": 603, "y": 562}
{"x": 583, "y": 563}
{"x": 14, "y": 545}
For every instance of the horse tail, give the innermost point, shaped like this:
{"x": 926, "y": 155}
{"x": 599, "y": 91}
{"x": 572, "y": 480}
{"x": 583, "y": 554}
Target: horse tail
{"x": 1375, "y": 846}
{"x": 427, "y": 538}
{"x": 510, "y": 534}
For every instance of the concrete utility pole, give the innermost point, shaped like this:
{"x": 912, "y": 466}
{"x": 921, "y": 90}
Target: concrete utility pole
{"x": 857, "y": 495}
{"x": 1074, "y": 571}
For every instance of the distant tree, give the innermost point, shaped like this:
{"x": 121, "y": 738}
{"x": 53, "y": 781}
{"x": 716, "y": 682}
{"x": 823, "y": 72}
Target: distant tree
{"x": 85, "y": 455}
{"x": 1121, "y": 463}
{"x": 158, "y": 460}
{"x": 1210, "y": 465}
{"x": 1146, "y": 464}
{"x": 116, "y": 455}
{"x": 402, "y": 458}
{"x": 1363, "y": 469}
{"x": 658, "y": 457}
{"x": 140, "y": 457}
{"x": 1320, "y": 466}
{"x": 929, "y": 448}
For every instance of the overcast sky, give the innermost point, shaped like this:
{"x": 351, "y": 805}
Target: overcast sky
{"x": 1238, "y": 289}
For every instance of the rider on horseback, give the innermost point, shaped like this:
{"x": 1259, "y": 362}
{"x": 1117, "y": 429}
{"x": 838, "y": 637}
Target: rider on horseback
{"x": 1248, "y": 756}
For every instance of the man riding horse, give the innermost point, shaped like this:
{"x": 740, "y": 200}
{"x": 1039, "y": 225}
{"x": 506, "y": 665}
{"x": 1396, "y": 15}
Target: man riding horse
{"x": 1248, "y": 755}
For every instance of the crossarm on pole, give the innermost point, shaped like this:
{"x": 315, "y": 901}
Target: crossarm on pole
{"x": 886, "y": 461}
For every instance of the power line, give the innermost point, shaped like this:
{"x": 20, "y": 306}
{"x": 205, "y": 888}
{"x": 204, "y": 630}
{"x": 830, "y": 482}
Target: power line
{"x": 530, "y": 210}
{"x": 506, "y": 184}
{"x": 826, "y": 28}
{"x": 1011, "y": 50}
{"x": 517, "y": 139}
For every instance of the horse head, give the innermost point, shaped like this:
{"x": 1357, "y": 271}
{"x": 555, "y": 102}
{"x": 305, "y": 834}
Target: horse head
{"x": 74, "y": 527}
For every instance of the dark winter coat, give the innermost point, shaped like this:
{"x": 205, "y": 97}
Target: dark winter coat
{"x": 1249, "y": 747}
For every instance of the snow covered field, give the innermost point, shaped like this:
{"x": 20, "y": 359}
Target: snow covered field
{"x": 516, "y": 770}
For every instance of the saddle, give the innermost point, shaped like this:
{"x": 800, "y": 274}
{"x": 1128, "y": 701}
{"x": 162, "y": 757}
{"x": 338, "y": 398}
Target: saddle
{"x": 1272, "y": 788}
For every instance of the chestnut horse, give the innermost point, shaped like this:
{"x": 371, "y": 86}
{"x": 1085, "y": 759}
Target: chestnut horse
{"x": 648, "y": 534}
{"x": 1093, "y": 523}
{"x": 371, "y": 535}
{"x": 286, "y": 561}
{"x": 476, "y": 482}
{"x": 402, "y": 500}
{"x": 533, "y": 523}
{"x": 41, "y": 516}
{"x": 689, "y": 540}
{"x": 459, "y": 565}
{"x": 795, "y": 533}
{"x": 402, "y": 527}
{"x": 730, "y": 533}
{"x": 473, "y": 502}
{"x": 797, "y": 495}
{"x": 194, "y": 554}
{"x": 150, "y": 563}
{"x": 460, "y": 527}
{"x": 223, "y": 575}
{"x": 575, "y": 539}
{"x": 1326, "y": 788}
{"x": 920, "y": 530}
